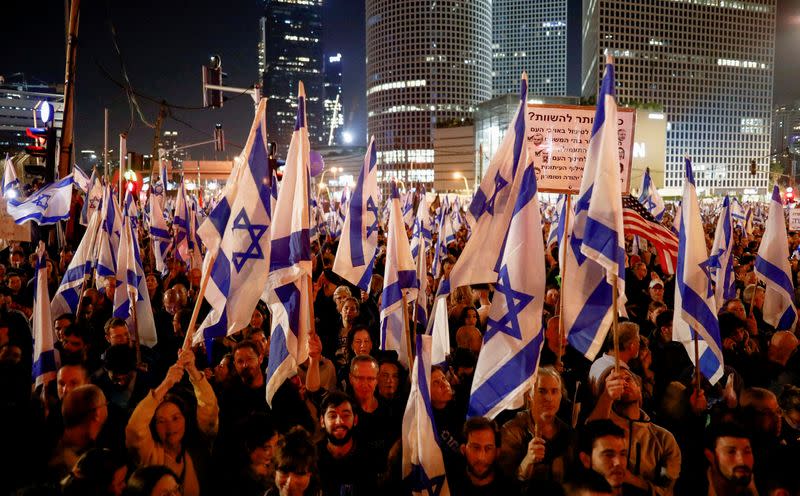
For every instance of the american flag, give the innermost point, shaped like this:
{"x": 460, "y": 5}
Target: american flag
{"x": 639, "y": 222}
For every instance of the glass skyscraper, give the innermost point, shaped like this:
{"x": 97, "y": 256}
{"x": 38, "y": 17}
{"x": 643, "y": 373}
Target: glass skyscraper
{"x": 707, "y": 65}
{"x": 290, "y": 50}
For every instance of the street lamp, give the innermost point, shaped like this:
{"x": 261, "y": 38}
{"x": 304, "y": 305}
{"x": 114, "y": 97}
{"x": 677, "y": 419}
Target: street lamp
{"x": 458, "y": 175}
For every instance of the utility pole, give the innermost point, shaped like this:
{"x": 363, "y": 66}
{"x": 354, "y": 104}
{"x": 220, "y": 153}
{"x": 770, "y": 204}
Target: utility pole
{"x": 65, "y": 155}
{"x": 162, "y": 114}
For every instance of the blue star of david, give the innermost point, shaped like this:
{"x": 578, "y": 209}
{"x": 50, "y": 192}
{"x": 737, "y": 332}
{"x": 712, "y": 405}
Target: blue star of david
{"x": 705, "y": 266}
{"x": 41, "y": 201}
{"x": 256, "y": 231}
{"x": 516, "y": 301}
{"x": 651, "y": 205}
{"x": 371, "y": 207}
{"x": 421, "y": 482}
{"x": 94, "y": 201}
{"x": 499, "y": 184}
{"x": 158, "y": 189}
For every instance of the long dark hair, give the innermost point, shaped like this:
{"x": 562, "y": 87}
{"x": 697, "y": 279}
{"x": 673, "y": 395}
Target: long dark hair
{"x": 191, "y": 433}
{"x": 144, "y": 480}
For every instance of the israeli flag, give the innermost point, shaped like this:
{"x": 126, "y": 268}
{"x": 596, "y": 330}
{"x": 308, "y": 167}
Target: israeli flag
{"x": 676, "y": 222}
{"x": 419, "y": 253}
{"x": 359, "y": 242}
{"x": 83, "y": 260}
{"x": 274, "y": 191}
{"x": 772, "y": 267}
{"x": 45, "y": 357}
{"x": 108, "y": 237}
{"x": 721, "y": 261}
{"x": 400, "y": 284}
{"x": 557, "y": 223}
{"x": 159, "y": 234}
{"x": 290, "y": 266}
{"x": 10, "y": 181}
{"x": 408, "y": 208}
{"x": 423, "y": 465}
{"x": 695, "y": 306}
{"x": 236, "y": 233}
{"x": 650, "y": 198}
{"x": 737, "y": 211}
{"x": 127, "y": 283}
{"x": 180, "y": 225}
{"x": 48, "y": 205}
{"x": 82, "y": 181}
{"x": 489, "y": 213}
{"x": 445, "y": 237}
{"x": 747, "y": 225}
{"x": 513, "y": 339}
{"x": 597, "y": 245}
{"x": 94, "y": 196}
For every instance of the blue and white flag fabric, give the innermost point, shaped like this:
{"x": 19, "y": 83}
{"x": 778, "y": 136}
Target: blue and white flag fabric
{"x": 423, "y": 220}
{"x": 82, "y": 181}
{"x": 737, "y": 211}
{"x": 94, "y": 197}
{"x": 275, "y": 189}
{"x": 400, "y": 284}
{"x": 650, "y": 198}
{"x": 747, "y": 225}
{"x": 419, "y": 245}
{"x": 158, "y": 188}
{"x": 557, "y": 222}
{"x": 48, "y": 205}
{"x": 408, "y": 208}
{"x": 45, "y": 356}
{"x": 489, "y": 213}
{"x": 676, "y": 221}
{"x": 440, "y": 247}
{"x": 236, "y": 236}
{"x": 10, "y": 181}
{"x": 180, "y": 226}
{"x": 695, "y": 306}
{"x": 514, "y": 334}
{"x": 721, "y": 259}
{"x": 159, "y": 234}
{"x": 597, "y": 244}
{"x": 290, "y": 265}
{"x": 108, "y": 237}
{"x": 83, "y": 261}
{"x": 772, "y": 266}
{"x": 423, "y": 464}
{"x": 359, "y": 241}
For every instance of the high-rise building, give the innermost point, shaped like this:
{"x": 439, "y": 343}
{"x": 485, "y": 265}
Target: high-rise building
{"x": 427, "y": 63}
{"x": 708, "y": 65}
{"x": 334, "y": 118}
{"x": 19, "y": 102}
{"x": 530, "y": 36}
{"x": 290, "y": 50}
{"x": 786, "y": 129}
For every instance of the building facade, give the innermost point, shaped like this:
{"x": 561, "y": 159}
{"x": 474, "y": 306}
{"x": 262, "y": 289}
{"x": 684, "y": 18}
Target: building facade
{"x": 427, "y": 63}
{"x": 708, "y": 64}
{"x": 530, "y": 36}
{"x": 18, "y": 111}
{"x": 332, "y": 104}
{"x": 290, "y": 50}
{"x": 786, "y": 129}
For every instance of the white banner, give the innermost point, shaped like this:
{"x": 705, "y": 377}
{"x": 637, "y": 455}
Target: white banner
{"x": 558, "y": 140}
{"x": 794, "y": 219}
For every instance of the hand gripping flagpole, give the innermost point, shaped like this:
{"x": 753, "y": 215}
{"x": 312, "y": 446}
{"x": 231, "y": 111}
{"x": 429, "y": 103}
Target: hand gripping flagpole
{"x": 187, "y": 339}
{"x": 615, "y": 325}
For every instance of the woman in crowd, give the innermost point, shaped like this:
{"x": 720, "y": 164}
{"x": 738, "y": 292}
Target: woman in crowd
{"x": 155, "y": 480}
{"x": 163, "y": 431}
{"x": 295, "y": 465}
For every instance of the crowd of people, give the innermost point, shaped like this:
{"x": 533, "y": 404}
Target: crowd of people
{"x": 170, "y": 420}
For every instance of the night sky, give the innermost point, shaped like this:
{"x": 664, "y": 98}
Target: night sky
{"x": 165, "y": 43}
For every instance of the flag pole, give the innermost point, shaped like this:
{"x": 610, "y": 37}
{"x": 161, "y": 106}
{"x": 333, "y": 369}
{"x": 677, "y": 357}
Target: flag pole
{"x": 563, "y": 269}
{"x": 696, "y": 361}
{"x": 406, "y": 328}
{"x": 187, "y": 339}
{"x": 132, "y": 297}
{"x": 86, "y": 278}
{"x": 615, "y": 325}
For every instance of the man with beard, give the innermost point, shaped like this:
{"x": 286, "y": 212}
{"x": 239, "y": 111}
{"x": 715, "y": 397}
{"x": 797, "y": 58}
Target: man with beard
{"x": 344, "y": 467}
{"x": 731, "y": 461}
{"x": 602, "y": 449}
{"x": 480, "y": 449}
{"x": 654, "y": 453}
{"x": 247, "y": 391}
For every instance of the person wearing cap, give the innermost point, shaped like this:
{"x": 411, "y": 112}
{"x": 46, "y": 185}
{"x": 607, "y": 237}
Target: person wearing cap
{"x": 656, "y": 290}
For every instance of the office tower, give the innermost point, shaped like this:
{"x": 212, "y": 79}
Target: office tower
{"x": 290, "y": 50}
{"x": 428, "y": 65}
{"x": 708, "y": 65}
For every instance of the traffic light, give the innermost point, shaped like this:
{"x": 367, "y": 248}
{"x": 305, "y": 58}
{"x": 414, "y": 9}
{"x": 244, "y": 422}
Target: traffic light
{"x": 788, "y": 195}
{"x": 212, "y": 74}
{"x": 219, "y": 138}
{"x": 45, "y": 145}
{"x": 753, "y": 168}
{"x": 274, "y": 163}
